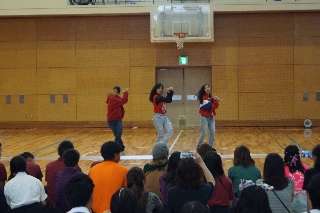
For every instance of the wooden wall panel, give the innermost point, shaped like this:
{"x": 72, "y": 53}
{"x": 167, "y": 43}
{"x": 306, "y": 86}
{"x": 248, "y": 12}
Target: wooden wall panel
{"x": 113, "y": 53}
{"x": 266, "y": 78}
{"x": 56, "y": 54}
{"x": 265, "y": 51}
{"x": 101, "y": 80}
{"x": 58, "y": 111}
{"x": 307, "y": 24}
{"x": 225, "y": 52}
{"x": 18, "y": 81}
{"x": 92, "y": 107}
{"x": 198, "y": 53}
{"x": 266, "y": 25}
{"x": 19, "y": 112}
{"x": 138, "y": 108}
{"x": 265, "y": 106}
{"x": 226, "y": 26}
{"x": 307, "y": 50}
{"x": 139, "y": 28}
{"x": 142, "y": 53}
{"x": 18, "y": 54}
{"x": 306, "y": 109}
{"x": 167, "y": 54}
{"x": 102, "y": 28}
{"x": 306, "y": 78}
{"x": 142, "y": 79}
{"x": 56, "y": 29}
{"x": 228, "y": 106}
{"x": 57, "y": 81}
{"x": 18, "y": 29}
{"x": 224, "y": 79}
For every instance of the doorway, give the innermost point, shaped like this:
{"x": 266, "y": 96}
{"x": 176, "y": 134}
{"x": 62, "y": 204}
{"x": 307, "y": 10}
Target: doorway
{"x": 186, "y": 83}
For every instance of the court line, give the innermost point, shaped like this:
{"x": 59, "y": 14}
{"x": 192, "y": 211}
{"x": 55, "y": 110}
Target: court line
{"x": 275, "y": 140}
{"x": 294, "y": 142}
{"x": 175, "y": 141}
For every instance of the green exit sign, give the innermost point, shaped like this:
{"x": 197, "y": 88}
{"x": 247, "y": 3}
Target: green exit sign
{"x": 183, "y": 60}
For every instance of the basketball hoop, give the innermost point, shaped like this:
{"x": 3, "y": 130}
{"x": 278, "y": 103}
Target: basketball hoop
{"x": 179, "y": 39}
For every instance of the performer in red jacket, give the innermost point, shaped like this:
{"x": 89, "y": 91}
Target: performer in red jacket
{"x": 208, "y": 105}
{"x": 116, "y": 113}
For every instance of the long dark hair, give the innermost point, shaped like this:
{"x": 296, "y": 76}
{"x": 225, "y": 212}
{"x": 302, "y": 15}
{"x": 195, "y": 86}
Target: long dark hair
{"x": 273, "y": 172}
{"x": 189, "y": 174}
{"x": 292, "y": 159}
{"x": 201, "y": 93}
{"x": 172, "y": 167}
{"x": 316, "y": 153}
{"x": 214, "y": 164}
{"x": 154, "y": 91}
{"x": 135, "y": 182}
{"x": 242, "y": 157}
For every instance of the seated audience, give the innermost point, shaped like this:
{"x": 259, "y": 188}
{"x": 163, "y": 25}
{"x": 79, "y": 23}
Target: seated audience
{"x": 147, "y": 202}
{"x": 123, "y": 201}
{"x": 223, "y": 194}
{"x": 107, "y": 176}
{"x": 3, "y": 171}
{"x": 280, "y": 199}
{"x": 243, "y": 168}
{"x": 253, "y": 199}
{"x": 190, "y": 186}
{"x": 203, "y": 149}
{"x": 53, "y": 168}
{"x": 312, "y": 171}
{"x": 313, "y": 192}
{"x": 78, "y": 193}
{"x": 295, "y": 169}
{"x": 33, "y": 169}
{"x": 166, "y": 180}
{"x": 156, "y": 167}
{"x": 194, "y": 207}
{"x": 70, "y": 158}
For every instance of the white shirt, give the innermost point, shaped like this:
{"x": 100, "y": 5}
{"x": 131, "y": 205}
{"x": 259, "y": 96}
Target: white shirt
{"x": 313, "y": 211}
{"x": 79, "y": 210}
{"x": 24, "y": 189}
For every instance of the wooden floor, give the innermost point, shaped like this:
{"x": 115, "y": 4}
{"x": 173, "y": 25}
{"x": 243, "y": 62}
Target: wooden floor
{"x": 43, "y": 143}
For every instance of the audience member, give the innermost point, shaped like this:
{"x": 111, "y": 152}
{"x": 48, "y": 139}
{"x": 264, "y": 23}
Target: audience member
{"x": 53, "y": 168}
{"x": 313, "y": 192}
{"x": 166, "y": 180}
{"x": 243, "y": 168}
{"x": 70, "y": 158}
{"x": 194, "y": 206}
{"x": 203, "y": 149}
{"x": 33, "y": 169}
{"x": 280, "y": 199}
{"x": 223, "y": 194}
{"x": 156, "y": 167}
{"x": 23, "y": 192}
{"x": 3, "y": 203}
{"x": 190, "y": 186}
{"x": 107, "y": 176}
{"x": 312, "y": 171}
{"x": 147, "y": 202}
{"x": 123, "y": 201}
{"x": 78, "y": 193}
{"x": 253, "y": 199}
{"x": 295, "y": 169}
{"x": 3, "y": 171}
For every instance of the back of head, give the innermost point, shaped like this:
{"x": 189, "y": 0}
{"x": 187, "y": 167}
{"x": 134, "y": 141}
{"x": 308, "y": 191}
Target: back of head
{"x": 18, "y": 164}
{"x": 214, "y": 164}
{"x": 78, "y": 190}
{"x": 316, "y": 153}
{"x": 123, "y": 201}
{"x": 172, "y": 166}
{"x": 273, "y": 171}
{"x": 27, "y": 155}
{"x": 314, "y": 191}
{"x": 63, "y": 146}
{"x": 253, "y": 199}
{"x": 194, "y": 206}
{"x": 242, "y": 157}
{"x": 71, "y": 157}
{"x": 160, "y": 150}
{"x": 189, "y": 174}
{"x": 135, "y": 181}
{"x": 203, "y": 149}
{"x": 292, "y": 159}
{"x": 109, "y": 149}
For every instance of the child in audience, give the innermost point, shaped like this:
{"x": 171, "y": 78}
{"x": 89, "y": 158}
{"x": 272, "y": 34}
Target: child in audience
{"x": 123, "y": 201}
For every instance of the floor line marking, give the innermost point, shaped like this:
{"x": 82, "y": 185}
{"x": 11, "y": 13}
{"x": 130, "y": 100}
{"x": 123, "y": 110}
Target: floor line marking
{"x": 175, "y": 141}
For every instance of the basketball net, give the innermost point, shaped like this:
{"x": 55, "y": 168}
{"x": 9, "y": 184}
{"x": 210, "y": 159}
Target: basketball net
{"x": 179, "y": 39}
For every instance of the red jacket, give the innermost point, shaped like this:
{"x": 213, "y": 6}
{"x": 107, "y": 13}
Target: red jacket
{"x": 115, "y": 106}
{"x": 209, "y": 106}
